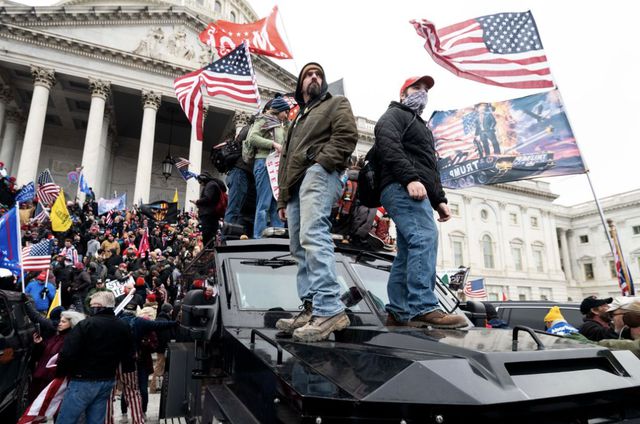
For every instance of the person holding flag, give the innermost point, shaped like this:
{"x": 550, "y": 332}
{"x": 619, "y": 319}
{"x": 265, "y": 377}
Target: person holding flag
{"x": 42, "y": 292}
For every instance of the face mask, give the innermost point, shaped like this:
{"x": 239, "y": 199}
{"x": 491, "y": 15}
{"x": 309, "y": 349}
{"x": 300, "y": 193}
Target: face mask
{"x": 416, "y": 101}
{"x": 95, "y": 310}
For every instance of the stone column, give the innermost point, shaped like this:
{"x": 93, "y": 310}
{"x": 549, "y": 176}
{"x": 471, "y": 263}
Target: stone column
{"x": 110, "y": 147}
{"x": 195, "y": 157}
{"x": 240, "y": 119}
{"x": 150, "y": 103}
{"x": 44, "y": 79}
{"x": 103, "y": 159}
{"x": 10, "y": 139}
{"x": 92, "y": 166}
{"x": 566, "y": 261}
{"x": 5, "y": 99}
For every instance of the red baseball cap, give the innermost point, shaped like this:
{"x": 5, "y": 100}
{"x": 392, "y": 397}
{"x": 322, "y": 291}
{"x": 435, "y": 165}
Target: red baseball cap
{"x": 426, "y": 79}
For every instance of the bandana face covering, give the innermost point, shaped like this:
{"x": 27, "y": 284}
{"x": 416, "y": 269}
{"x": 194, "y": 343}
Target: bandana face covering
{"x": 416, "y": 101}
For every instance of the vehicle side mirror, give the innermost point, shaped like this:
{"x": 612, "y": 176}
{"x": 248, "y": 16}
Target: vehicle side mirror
{"x": 351, "y": 297}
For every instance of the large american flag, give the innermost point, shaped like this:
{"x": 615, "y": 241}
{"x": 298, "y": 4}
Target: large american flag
{"x": 455, "y": 134}
{"x": 475, "y": 289}
{"x": 231, "y": 76}
{"x": 189, "y": 93}
{"x": 47, "y": 190}
{"x": 502, "y": 49}
{"x": 183, "y": 166}
{"x": 37, "y": 257}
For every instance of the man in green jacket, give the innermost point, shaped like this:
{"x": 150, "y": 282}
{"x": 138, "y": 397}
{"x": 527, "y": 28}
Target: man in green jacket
{"x": 317, "y": 150}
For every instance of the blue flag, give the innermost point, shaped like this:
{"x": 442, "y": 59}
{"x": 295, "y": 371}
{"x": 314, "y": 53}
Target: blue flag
{"x": 10, "y": 246}
{"x": 117, "y": 203}
{"x": 83, "y": 185}
{"x": 26, "y": 193}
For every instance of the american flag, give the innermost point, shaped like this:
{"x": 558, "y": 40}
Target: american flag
{"x": 144, "y": 245}
{"x": 47, "y": 190}
{"x": 40, "y": 214}
{"x": 189, "y": 94}
{"x": 37, "y": 257}
{"x": 455, "y": 134}
{"x": 183, "y": 166}
{"x": 109, "y": 218}
{"x": 48, "y": 402}
{"x": 475, "y": 289}
{"x": 232, "y": 76}
{"x": 502, "y": 49}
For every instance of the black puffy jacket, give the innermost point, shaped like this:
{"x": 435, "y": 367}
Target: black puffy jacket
{"x": 409, "y": 157}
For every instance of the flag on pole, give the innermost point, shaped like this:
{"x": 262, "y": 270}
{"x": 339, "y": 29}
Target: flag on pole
{"x": 117, "y": 203}
{"x": 262, "y": 36}
{"x": 26, "y": 193}
{"x": 144, "y": 247}
{"x": 502, "y": 49}
{"x": 475, "y": 289}
{"x": 60, "y": 218}
{"x": 175, "y": 196}
{"x": 37, "y": 257}
{"x": 83, "y": 185}
{"x": 41, "y": 214}
{"x": 57, "y": 301}
{"x": 10, "y": 253}
{"x": 109, "y": 218}
{"x": 189, "y": 93}
{"x": 504, "y": 297}
{"x": 232, "y": 76}
{"x": 183, "y": 166}
{"x": 47, "y": 191}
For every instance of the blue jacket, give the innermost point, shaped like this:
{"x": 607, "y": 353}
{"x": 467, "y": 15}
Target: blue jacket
{"x": 562, "y": 328}
{"x": 35, "y": 289}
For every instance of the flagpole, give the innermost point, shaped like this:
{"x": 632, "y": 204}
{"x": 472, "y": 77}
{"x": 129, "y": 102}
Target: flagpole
{"x": 19, "y": 237}
{"x": 623, "y": 264}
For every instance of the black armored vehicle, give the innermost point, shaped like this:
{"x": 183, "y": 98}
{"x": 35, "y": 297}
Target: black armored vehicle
{"x": 239, "y": 369}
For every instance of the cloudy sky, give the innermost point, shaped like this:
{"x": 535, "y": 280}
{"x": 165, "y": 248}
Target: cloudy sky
{"x": 591, "y": 50}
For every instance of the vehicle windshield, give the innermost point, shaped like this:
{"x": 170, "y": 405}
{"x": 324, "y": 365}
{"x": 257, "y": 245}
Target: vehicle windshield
{"x": 264, "y": 288}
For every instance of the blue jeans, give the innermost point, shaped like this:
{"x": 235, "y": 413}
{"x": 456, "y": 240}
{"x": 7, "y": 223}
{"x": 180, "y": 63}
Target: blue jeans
{"x": 413, "y": 275}
{"x": 89, "y": 397}
{"x": 238, "y": 185}
{"x": 266, "y": 205}
{"x": 308, "y": 215}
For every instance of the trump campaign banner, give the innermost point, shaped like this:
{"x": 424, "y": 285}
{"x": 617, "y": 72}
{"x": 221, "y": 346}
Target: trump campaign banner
{"x": 117, "y": 203}
{"x": 490, "y": 143}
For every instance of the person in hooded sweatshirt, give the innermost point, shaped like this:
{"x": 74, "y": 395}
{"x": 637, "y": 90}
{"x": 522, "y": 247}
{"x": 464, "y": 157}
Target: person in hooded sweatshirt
{"x": 316, "y": 152}
{"x": 210, "y": 191}
{"x": 411, "y": 187}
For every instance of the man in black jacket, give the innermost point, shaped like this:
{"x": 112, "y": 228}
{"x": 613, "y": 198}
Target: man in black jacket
{"x": 597, "y": 323}
{"x": 210, "y": 191}
{"x": 90, "y": 359}
{"x": 409, "y": 177}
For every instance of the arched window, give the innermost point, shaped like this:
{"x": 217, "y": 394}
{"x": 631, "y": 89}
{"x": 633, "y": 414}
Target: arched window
{"x": 232, "y": 16}
{"x": 218, "y": 8}
{"x": 487, "y": 252}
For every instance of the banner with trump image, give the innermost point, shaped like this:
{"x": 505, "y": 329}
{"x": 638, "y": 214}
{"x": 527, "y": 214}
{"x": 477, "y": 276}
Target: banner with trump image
{"x": 490, "y": 143}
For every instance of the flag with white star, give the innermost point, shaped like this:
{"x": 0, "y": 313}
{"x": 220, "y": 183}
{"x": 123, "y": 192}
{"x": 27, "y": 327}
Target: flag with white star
{"x": 232, "y": 76}
{"x": 502, "y": 49}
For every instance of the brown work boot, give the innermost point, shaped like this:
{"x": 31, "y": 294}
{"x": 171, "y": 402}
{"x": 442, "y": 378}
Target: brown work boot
{"x": 289, "y": 324}
{"x": 438, "y": 319}
{"x": 320, "y": 328}
{"x": 393, "y": 322}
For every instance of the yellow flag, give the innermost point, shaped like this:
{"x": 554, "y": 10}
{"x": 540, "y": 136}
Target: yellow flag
{"x": 55, "y": 302}
{"x": 59, "y": 216}
{"x": 175, "y": 196}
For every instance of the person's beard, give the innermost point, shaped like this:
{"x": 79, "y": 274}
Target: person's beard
{"x": 313, "y": 90}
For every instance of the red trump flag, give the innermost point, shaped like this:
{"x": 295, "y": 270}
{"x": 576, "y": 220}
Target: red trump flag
{"x": 261, "y": 36}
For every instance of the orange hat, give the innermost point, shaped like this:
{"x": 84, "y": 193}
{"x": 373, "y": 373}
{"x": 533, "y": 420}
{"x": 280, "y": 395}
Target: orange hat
{"x": 42, "y": 276}
{"x": 139, "y": 281}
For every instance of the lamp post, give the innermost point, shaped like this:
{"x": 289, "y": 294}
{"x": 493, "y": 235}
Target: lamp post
{"x": 168, "y": 162}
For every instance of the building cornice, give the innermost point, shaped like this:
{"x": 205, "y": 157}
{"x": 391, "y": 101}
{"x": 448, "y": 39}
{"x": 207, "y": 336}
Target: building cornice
{"x": 605, "y": 208}
{"x": 26, "y": 27}
{"x": 547, "y": 195}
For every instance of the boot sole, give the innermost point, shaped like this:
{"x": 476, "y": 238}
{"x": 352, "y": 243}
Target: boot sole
{"x": 341, "y": 324}
{"x": 289, "y": 328}
{"x": 417, "y": 324}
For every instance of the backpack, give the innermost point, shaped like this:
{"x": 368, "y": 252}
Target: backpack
{"x": 221, "y": 206}
{"x": 224, "y": 158}
{"x": 369, "y": 189}
{"x": 248, "y": 151}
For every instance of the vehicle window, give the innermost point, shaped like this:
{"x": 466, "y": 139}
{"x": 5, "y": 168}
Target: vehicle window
{"x": 5, "y": 319}
{"x": 531, "y": 317}
{"x": 264, "y": 288}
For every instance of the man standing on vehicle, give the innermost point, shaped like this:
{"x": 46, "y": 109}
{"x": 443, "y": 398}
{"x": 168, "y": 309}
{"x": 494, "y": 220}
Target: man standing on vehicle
{"x": 318, "y": 147}
{"x": 410, "y": 185}
{"x": 597, "y": 324}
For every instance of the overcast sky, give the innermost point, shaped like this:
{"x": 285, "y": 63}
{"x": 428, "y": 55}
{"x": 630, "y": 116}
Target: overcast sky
{"x": 592, "y": 52}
